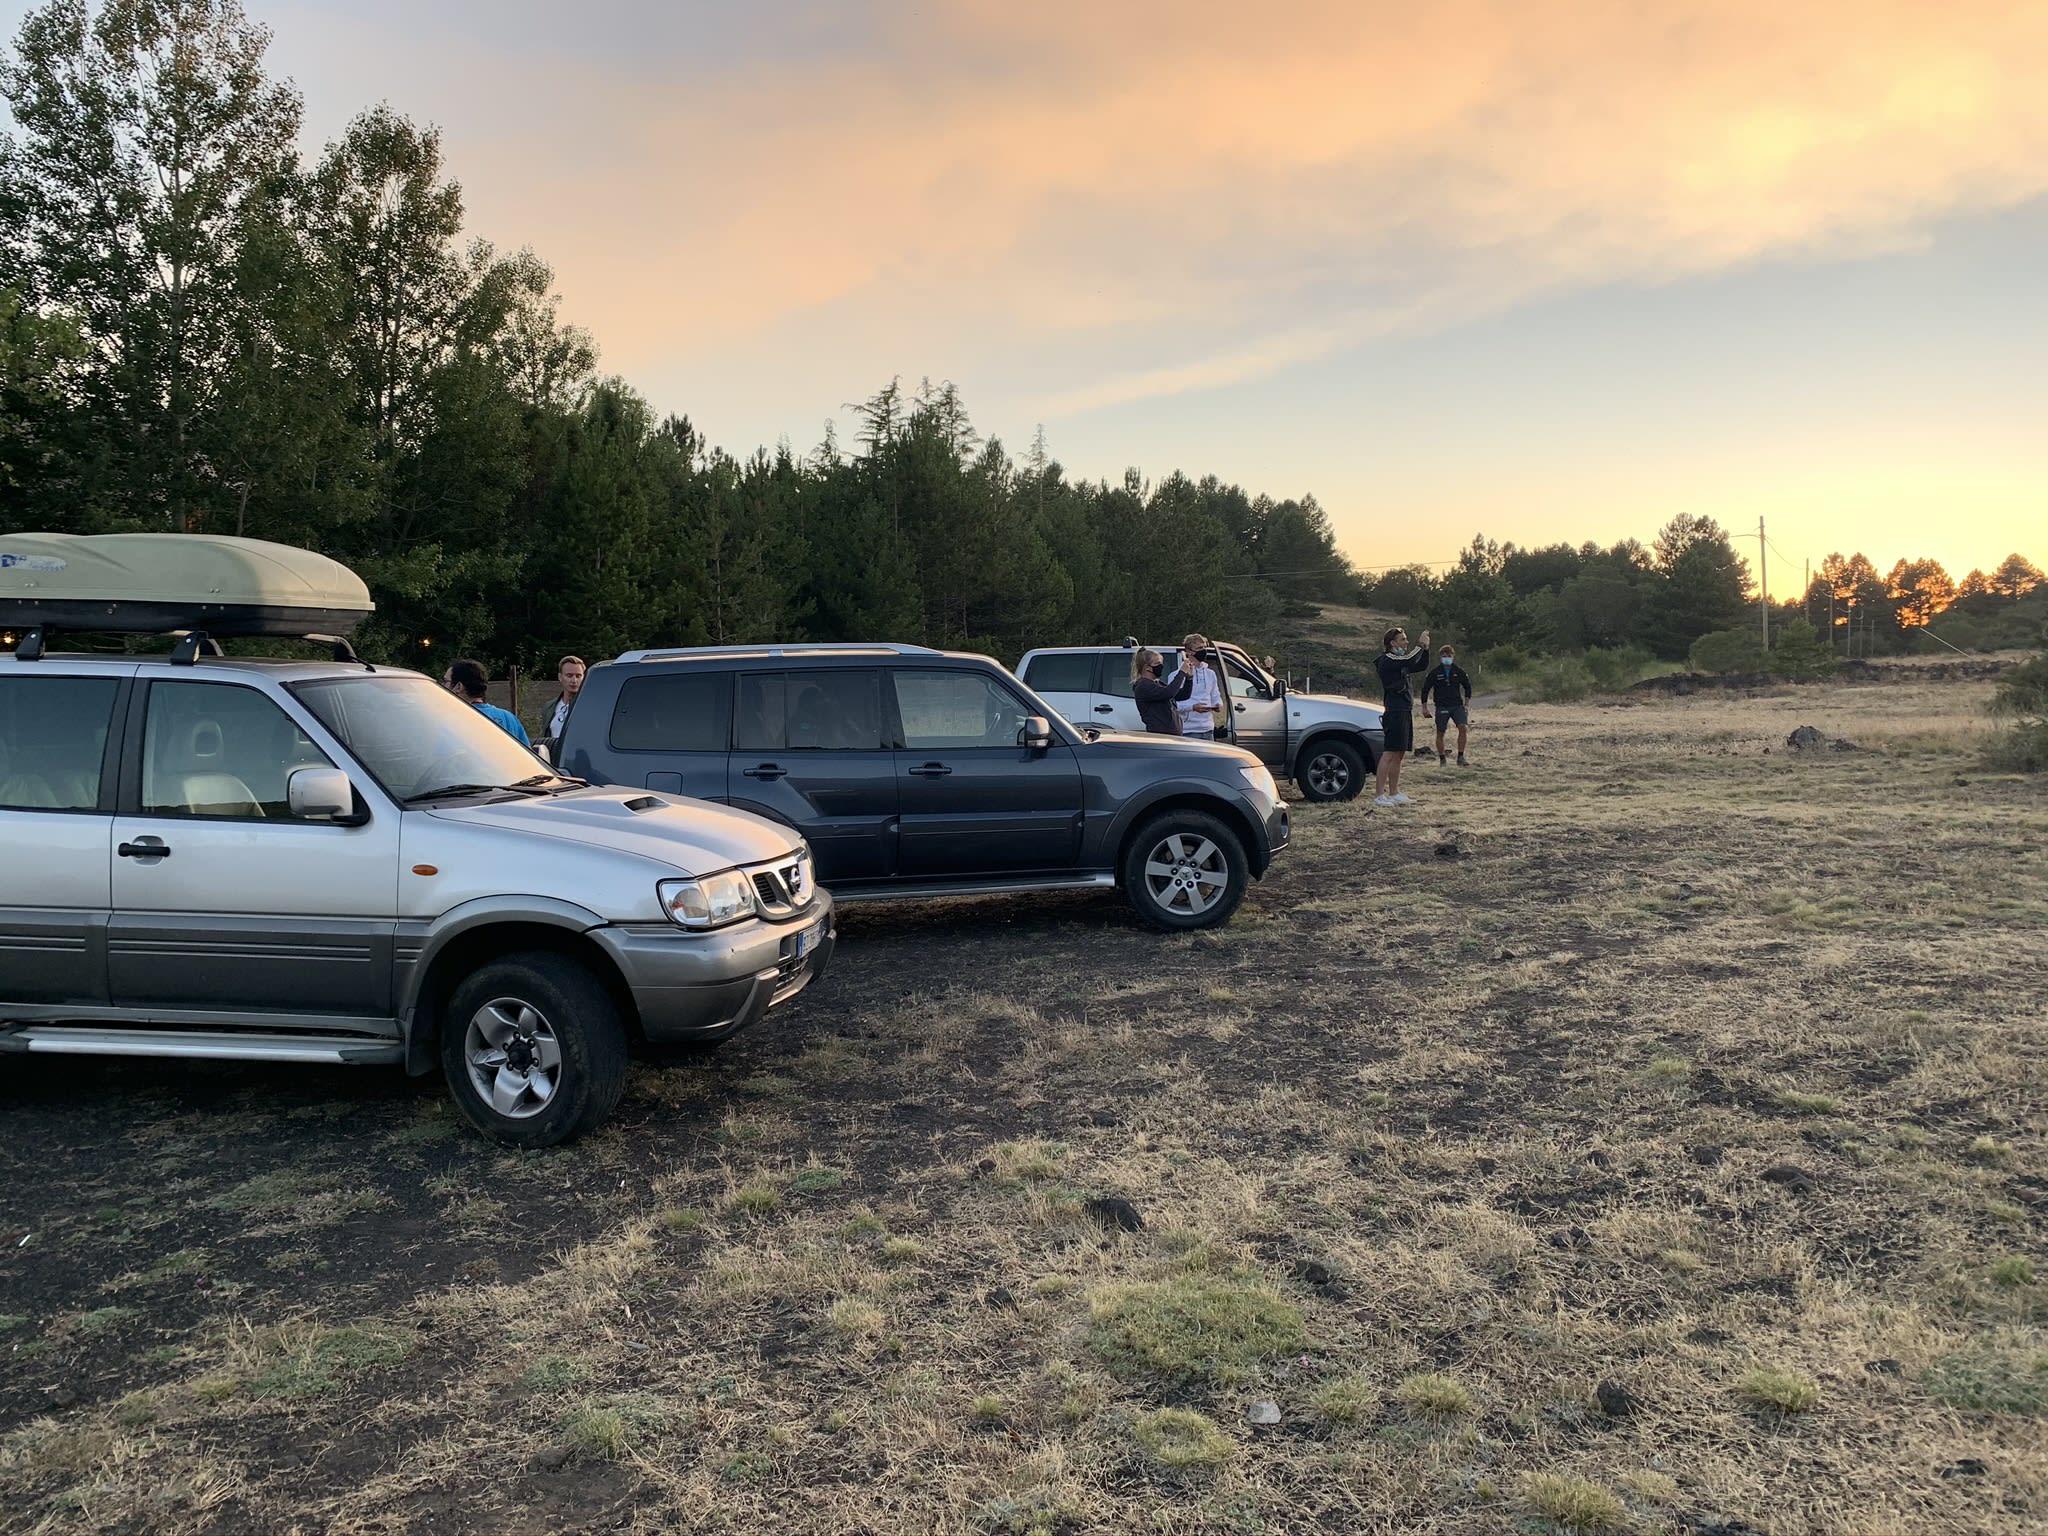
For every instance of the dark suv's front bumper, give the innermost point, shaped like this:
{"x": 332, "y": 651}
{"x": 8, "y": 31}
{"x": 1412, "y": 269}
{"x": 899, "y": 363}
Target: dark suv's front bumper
{"x": 705, "y": 986}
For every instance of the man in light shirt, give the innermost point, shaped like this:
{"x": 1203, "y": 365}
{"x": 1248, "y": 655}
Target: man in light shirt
{"x": 1200, "y": 710}
{"x": 569, "y": 673}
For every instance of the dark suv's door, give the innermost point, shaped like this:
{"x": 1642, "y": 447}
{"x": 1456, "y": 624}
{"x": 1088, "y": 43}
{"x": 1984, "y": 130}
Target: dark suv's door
{"x": 809, "y": 750}
{"x": 974, "y": 799}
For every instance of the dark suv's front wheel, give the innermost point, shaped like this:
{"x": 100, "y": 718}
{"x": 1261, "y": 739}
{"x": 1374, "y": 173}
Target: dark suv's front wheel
{"x": 1185, "y": 869}
{"x": 533, "y": 1049}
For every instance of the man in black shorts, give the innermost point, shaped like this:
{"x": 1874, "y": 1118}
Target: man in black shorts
{"x": 1451, "y": 690}
{"x": 1395, "y": 665}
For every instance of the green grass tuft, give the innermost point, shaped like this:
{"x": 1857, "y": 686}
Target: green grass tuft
{"x": 1574, "y": 1504}
{"x": 1993, "y": 1381}
{"x": 320, "y": 1364}
{"x": 1198, "y": 1327}
{"x": 1433, "y": 1393}
{"x": 1179, "y": 1437}
{"x": 1349, "y": 1400}
{"x": 1776, "y": 1391}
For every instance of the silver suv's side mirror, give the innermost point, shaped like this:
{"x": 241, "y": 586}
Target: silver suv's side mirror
{"x": 316, "y": 793}
{"x": 1036, "y": 732}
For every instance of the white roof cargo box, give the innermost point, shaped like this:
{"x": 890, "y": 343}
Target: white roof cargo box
{"x": 153, "y": 583}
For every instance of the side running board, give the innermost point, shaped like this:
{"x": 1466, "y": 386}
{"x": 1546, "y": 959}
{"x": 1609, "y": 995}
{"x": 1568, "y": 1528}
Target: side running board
{"x": 329, "y": 1050}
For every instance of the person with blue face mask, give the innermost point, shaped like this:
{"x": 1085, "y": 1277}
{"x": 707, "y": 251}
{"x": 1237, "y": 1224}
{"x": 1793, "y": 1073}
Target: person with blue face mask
{"x": 1451, "y": 690}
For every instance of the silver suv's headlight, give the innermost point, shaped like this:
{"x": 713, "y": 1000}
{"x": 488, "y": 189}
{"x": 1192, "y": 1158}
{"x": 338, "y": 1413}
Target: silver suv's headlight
{"x": 1261, "y": 779}
{"x": 711, "y": 902}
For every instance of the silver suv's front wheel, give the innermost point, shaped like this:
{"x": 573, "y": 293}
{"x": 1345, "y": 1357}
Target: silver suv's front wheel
{"x": 533, "y": 1049}
{"x": 1184, "y": 870}
{"x": 1331, "y": 769}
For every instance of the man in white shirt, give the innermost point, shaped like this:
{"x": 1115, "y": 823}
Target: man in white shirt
{"x": 569, "y": 672}
{"x": 1200, "y": 710}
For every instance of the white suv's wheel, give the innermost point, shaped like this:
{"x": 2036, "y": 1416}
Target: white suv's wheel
{"x": 1331, "y": 769}
{"x": 533, "y": 1050}
{"x": 1184, "y": 870}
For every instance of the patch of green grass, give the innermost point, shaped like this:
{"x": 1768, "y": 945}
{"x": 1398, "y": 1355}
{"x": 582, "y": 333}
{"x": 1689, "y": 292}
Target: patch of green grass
{"x": 746, "y": 1467}
{"x": 1912, "y": 1138}
{"x": 436, "y": 1124}
{"x": 101, "y": 1319}
{"x": 320, "y": 1364}
{"x": 1989, "y": 1150}
{"x": 1796, "y": 1103}
{"x": 864, "y": 1224}
{"x": 185, "y": 1261}
{"x": 757, "y": 1197}
{"x": 2012, "y": 1271}
{"x": 1435, "y": 1394}
{"x": 1181, "y": 1438}
{"x": 1574, "y": 1504}
{"x": 217, "y": 1387}
{"x": 1775, "y": 1391}
{"x": 1992, "y": 1381}
{"x": 1194, "y": 1328}
{"x": 989, "y": 1410}
{"x": 555, "y": 1373}
{"x": 817, "y": 1180}
{"x": 1668, "y": 1069}
{"x": 266, "y": 1192}
{"x": 9, "y": 1321}
{"x": 1348, "y": 1400}
{"x": 901, "y": 1250}
{"x": 1052, "y": 1286}
{"x": 610, "y": 1427}
{"x": 1029, "y": 1162}
{"x": 680, "y": 1218}
{"x": 854, "y": 1318}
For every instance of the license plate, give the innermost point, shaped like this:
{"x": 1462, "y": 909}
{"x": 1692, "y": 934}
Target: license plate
{"x": 810, "y": 938}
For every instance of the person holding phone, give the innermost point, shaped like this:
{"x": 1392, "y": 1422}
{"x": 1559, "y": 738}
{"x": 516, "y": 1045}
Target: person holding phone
{"x": 1156, "y": 698}
{"x": 1396, "y": 663}
{"x": 1201, "y": 710}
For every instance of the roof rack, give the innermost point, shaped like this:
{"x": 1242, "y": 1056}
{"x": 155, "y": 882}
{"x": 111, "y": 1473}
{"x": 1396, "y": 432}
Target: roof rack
{"x": 191, "y": 645}
{"x": 792, "y": 648}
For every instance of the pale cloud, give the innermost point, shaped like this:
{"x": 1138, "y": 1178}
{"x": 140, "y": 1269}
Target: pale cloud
{"x": 1119, "y": 200}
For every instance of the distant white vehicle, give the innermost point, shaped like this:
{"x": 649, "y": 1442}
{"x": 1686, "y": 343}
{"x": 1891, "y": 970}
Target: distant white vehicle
{"x": 1328, "y": 745}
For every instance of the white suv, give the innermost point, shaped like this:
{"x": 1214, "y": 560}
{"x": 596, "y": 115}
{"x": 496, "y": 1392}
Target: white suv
{"x": 1328, "y": 745}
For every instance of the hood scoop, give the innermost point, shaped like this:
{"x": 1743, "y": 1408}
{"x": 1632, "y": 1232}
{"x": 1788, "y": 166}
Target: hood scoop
{"x": 646, "y": 803}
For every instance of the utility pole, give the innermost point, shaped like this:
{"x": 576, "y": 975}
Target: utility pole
{"x": 1763, "y": 583}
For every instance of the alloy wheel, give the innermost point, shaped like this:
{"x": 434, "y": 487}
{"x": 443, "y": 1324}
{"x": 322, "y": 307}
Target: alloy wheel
{"x": 1186, "y": 873}
{"x": 515, "y": 1060}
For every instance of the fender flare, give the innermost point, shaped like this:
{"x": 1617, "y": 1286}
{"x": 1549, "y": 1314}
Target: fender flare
{"x": 544, "y": 911}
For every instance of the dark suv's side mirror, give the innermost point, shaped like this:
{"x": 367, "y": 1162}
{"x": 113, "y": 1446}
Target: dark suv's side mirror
{"x": 1035, "y": 733}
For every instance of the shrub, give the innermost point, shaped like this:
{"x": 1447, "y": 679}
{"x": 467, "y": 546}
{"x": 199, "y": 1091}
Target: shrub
{"x": 1801, "y": 653}
{"x": 1500, "y": 658}
{"x": 1614, "y": 668}
{"x": 1727, "y": 651}
{"x": 1563, "y": 680}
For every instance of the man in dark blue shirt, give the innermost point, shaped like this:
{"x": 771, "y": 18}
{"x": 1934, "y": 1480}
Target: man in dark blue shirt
{"x": 1451, "y": 692}
{"x": 1395, "y": 664}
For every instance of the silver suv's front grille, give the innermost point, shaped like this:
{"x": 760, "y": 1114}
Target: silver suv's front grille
{"x": 784, "y": 888}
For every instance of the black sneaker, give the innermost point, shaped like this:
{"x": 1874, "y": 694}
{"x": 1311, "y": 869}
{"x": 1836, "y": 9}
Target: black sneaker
{"x": 1461, "y": 761}
{"x": 1440, "y": 757}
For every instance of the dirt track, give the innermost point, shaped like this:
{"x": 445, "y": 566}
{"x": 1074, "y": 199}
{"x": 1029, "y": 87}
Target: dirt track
{"x": 1499, "y": 1090}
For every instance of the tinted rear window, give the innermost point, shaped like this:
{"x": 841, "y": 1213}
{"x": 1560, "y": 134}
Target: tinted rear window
{"x": 1061, "y": 674}
{"x": 673, "y": 712}
{"x": 828, "y": 710}
{"x": 53, "y": 738}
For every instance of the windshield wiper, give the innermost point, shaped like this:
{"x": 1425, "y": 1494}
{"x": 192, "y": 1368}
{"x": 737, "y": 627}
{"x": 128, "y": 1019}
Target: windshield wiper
{"x": 525, "y": 787}
{"x": 549, "y": 778}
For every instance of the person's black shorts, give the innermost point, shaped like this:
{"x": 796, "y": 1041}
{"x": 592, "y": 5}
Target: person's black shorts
{"x": 1399, "y": 722}
{"x": 1448, "y": 715}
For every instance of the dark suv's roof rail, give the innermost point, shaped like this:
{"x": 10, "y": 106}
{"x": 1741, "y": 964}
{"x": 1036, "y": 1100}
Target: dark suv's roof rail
{"x": 793, "y": 648}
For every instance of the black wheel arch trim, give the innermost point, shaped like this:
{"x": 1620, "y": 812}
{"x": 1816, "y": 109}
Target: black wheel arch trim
{"x": 1192, "y": 795}
{"x": 550, "y": 912}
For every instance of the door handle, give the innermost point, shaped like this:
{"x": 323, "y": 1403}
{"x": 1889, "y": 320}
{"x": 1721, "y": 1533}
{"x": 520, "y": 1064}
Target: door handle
{"x": 931, "y": 771}
{"x": 1105, "y": 709}
{"x": 764, "y": 771}
{"x": 145, "y": 848}
{"x": 1240, "y": 709}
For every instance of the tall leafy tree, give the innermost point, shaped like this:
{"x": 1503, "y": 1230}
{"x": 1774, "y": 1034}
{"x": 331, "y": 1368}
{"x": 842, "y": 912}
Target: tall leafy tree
{"x": 1703, "y": 586}
{"x": 144, "y": 130}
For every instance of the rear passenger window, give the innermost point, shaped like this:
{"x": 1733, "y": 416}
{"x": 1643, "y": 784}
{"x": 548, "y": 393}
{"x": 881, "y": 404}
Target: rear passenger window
{"x": 674, "y": 712}
{"x": 828, "y": 710}
{"x": 1062, "y": 674}
{"x": 53, "y": 739}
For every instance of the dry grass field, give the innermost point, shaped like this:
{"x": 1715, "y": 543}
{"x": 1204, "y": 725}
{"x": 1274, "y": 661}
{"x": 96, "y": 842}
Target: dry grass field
{"x": 1643, "y": 1133}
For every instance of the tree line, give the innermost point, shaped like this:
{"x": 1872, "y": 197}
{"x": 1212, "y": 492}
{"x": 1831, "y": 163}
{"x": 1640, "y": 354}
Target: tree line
{"x": 206, "y": 332}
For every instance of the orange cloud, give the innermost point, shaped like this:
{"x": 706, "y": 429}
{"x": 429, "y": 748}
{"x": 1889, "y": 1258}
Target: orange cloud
{"x": 1153, "y": 196}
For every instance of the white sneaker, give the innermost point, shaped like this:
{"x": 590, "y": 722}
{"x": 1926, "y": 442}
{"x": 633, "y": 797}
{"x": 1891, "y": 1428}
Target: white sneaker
{"x": 1400, "y": 800}
{"x": 1383, "y": 800}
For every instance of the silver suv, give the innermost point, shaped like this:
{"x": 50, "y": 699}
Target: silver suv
{"x": 326, "y": 862}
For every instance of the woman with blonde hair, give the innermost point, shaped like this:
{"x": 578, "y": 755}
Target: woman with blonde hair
{"x": 1155, "y": 698}
{"x": 1201, "y": 707}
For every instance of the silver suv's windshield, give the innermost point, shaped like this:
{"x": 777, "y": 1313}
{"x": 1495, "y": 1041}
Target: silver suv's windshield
{"x": 416, "y": 738}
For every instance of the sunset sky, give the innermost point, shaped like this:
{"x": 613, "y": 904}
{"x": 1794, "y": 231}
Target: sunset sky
{"x": 1549, "y": 270}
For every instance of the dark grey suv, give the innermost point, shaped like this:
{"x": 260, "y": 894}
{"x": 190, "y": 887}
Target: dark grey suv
{"x": 916, "y": 772}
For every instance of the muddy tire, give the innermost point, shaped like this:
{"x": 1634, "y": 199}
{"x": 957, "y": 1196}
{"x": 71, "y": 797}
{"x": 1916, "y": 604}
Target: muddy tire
{"x": 1331, "y": 769}
{"x": 1185, "y": 870}
{"x": 533, "y": 1049}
